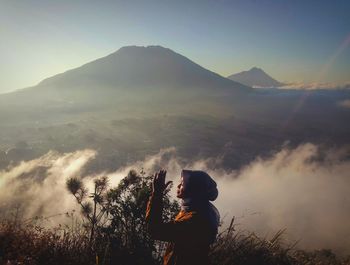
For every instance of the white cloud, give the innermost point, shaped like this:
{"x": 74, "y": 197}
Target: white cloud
{"x": 316, "y": 85}
{"x": 291, "y": 189}
{"x": 39, "y": 185}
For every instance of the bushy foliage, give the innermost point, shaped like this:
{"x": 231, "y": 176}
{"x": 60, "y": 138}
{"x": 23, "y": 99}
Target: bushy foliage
{"x": 32, "y": 245}
{"x": 114, "y": 232}
{"x": 115, "y": 218}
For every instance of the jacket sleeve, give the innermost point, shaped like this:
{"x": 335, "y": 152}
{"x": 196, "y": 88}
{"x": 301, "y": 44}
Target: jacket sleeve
{"x": 165, "y": 231}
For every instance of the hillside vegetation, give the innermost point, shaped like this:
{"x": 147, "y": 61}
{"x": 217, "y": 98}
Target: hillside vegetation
{"x": 111, "y": 230}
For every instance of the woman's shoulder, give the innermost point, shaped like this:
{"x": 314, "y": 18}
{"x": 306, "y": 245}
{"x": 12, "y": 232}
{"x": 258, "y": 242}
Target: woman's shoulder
{"x": 192, "y": 216}
{"x": 184, "y": 216}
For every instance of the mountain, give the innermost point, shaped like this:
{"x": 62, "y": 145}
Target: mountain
{"x": 255, "y": 77}
{"x": 135, "y": 66}
{"x": 131, "y": 72}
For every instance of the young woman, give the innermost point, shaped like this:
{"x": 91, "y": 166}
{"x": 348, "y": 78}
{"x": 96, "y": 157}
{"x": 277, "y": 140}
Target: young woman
{"x": 196, "y": 225}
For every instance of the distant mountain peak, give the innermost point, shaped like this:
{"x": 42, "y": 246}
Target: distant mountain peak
{"x": 136, "y": 47}
{"x": 255, "y": 77}
{"x": 255, "y": 69}
{"x": 134, "y": 50}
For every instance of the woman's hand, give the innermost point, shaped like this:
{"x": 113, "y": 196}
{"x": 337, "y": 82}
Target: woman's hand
{"x": 159, "y": 185}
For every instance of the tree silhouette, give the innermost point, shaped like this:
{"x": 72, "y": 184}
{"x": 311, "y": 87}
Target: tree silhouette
{"x": 117, "y": 216}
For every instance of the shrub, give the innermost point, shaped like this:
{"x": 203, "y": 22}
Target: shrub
{"x": 115, "y": 217}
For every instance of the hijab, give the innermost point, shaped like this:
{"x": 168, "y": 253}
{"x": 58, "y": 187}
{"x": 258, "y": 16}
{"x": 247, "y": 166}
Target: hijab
{"x": 199, "y": 190}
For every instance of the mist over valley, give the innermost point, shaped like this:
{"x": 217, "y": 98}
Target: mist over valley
{"x": 140, "y": 99}
{"x": 128, "y": 109}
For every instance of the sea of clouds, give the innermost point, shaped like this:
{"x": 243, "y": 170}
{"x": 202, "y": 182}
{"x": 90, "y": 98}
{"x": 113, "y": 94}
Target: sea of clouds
{"x": 316, "y": 85}
{"x": 291, "y": 189}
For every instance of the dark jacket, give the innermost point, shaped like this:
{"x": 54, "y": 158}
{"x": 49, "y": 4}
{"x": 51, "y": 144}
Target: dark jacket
{"x": 188, "y": 235}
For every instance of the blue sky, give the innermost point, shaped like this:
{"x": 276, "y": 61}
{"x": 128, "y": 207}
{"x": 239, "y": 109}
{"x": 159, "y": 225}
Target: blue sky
{"x": 294, "y": 41}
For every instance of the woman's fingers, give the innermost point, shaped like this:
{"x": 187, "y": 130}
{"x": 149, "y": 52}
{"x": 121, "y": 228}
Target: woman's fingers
{"x": 166, "y": 187}
{"x": 159, "y": 181}
{"x": 155, "y": 177}
{"x": 167, "y": 184}
{"x": 162, "y": 174}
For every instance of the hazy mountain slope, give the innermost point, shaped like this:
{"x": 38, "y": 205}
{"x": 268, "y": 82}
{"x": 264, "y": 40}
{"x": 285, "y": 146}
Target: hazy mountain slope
{"x": 255, "y": 77}
{"x": 137, "y": 73}
{"x": 135, "y": 66}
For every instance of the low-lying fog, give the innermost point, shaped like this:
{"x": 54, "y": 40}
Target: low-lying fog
{"x": 303, "y": 190}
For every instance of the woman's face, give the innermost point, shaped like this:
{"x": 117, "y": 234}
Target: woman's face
{"x": 180, "y": 189}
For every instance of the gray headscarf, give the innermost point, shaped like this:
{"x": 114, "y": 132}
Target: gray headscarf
{"x": 199, "y": 190}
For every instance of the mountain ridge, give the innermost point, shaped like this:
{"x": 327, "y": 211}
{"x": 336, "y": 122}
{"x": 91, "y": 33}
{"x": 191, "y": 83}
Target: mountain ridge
{"x": 255, "y": 77}
{"x": 130, "y": 74}
{"x": 141, "y": 66}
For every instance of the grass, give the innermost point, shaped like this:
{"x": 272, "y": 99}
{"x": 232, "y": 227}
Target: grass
{"x": 30, "y": 244}
{"x": 246, "y": 248}
{"x": 33, "y": 245}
